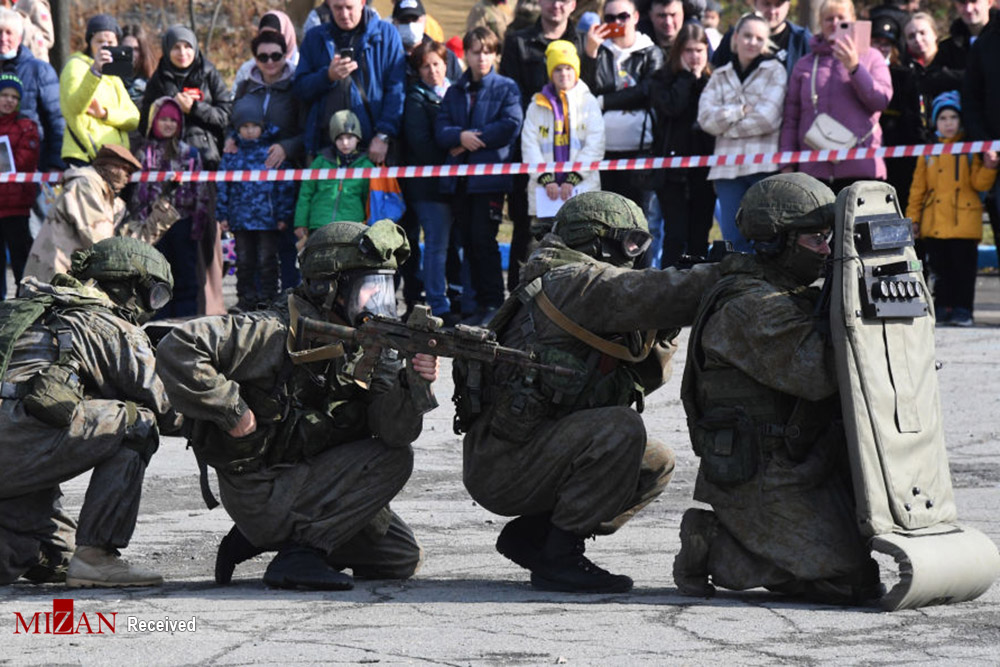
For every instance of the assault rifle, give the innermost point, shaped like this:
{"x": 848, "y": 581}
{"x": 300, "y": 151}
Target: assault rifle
{"x": 421, "y": 333}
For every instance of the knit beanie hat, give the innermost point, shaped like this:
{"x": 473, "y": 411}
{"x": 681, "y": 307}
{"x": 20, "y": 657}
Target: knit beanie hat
{"x": 178, "y": 33}
{"x": 168, "y": 108}
{"x": 9, "y": 80}
{"x": 101, "y": 23}
{"x": 948, "y": 100}
{"x": 561, "y": 52}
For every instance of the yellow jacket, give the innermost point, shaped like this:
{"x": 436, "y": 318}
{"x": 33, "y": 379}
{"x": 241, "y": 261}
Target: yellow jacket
{"x": 78, "y": 86}
{"x": 944, "y": 196}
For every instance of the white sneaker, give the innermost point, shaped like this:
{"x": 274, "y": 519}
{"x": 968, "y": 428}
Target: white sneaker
{"x": 94, "y": 567}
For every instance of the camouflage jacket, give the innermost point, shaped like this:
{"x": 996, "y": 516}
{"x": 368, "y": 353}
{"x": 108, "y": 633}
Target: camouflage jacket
{"x": 617, "y": 304}
{"x": 216, "y": 368}
{"x": 114, "y": 357}
{"x": 755, "y": 347}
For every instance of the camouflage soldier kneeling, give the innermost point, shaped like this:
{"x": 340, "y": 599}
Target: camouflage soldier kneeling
{"x": 567, "y": 454}
{"x": 760, "y": 392}
{"x": 308, "y": 455}
{"x": 79, "y": 393}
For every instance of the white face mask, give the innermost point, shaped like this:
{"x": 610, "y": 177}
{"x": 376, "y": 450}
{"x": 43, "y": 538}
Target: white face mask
{"x": 410, "y": 33}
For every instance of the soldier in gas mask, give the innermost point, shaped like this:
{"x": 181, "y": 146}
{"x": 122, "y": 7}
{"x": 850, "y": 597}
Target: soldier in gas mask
{"x": 760, "y": 392}
{"x": 308, "y": 456}
{"x": 568, "y": 455}
{"x": 79, "y": 393}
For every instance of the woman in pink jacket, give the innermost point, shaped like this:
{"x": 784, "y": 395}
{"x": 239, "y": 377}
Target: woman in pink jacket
{"x": 853, "y": 87}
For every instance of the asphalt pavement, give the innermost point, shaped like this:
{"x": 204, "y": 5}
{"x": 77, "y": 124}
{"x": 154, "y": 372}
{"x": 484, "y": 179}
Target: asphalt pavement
{"x": 470, "y": 606}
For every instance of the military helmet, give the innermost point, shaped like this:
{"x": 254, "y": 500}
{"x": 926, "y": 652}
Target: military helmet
{"x": 121, "y": 259}
{"x": 344, "y": 121}
{"x": 785, "y": 202}
{"x": 605, "y": 225}
{"x": 346, "y": 246}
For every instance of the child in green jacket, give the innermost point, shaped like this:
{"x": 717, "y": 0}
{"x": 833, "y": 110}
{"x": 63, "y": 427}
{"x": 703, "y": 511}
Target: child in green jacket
{"x": 323, "y": 202}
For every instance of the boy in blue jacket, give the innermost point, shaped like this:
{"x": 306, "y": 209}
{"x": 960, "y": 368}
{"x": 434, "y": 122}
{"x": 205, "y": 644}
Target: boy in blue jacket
{"x": 478, "y": 123}
{"x": 254, "y": 211}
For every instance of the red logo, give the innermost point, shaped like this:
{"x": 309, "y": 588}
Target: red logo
{"x": 61, "y": 621}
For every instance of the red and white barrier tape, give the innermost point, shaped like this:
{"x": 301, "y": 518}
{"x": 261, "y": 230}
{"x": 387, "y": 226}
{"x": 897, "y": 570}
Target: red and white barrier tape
{"x": 686, "y": 162}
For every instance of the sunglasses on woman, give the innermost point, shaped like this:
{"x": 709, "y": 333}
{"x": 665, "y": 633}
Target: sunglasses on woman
{"x": 621, "y": 17}
{"x": 273, "y": 57}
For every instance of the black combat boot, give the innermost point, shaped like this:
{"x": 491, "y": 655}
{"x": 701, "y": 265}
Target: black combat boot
{"x": 698, "y": 528}
{"x": 563, "y": 567}
{"x": 233, "y": 550}
{"x": 298, "y": 566}
{"x": 523, "y": 539}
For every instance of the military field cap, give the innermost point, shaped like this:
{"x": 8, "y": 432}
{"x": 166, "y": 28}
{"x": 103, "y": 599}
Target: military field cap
{"x": 120, "y": 258}
{"x": 344, "y": 121}
{"x": 119, "y": 155}
{"x": 346, "y": 246}
{"x": 782, "y": 202}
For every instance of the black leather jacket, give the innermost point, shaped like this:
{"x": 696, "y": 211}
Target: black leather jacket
{"x": 599, "y": 73}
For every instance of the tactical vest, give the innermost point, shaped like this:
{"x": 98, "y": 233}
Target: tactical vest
{"x": 47, "y": 376}
{"x": 522, "y": 401}
{"x": 310, "y": 407}
{"x": 734, "y": 421}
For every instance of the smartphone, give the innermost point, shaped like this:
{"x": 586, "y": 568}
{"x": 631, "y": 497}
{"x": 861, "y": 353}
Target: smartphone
{"x": 614, "y": 30}
{"x": 860, "y": 33}
{"x": 347, "y": 53}
{"x": 121, "y": 61}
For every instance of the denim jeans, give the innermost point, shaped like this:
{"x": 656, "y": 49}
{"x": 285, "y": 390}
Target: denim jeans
{"x": 730, "y": 192}
{"x": 435, "y": 221}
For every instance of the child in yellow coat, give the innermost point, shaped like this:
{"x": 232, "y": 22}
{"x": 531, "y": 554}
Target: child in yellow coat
{"x": 947, "y": 212}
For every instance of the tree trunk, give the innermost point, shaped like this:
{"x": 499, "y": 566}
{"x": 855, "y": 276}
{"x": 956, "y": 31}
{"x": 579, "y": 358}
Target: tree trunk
{"x": 808, "y": 14}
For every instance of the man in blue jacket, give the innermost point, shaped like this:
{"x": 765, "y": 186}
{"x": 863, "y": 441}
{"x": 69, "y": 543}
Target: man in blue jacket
{"x": 791, "y": 41}
{"x": 357, "y": 62}
{"x": 40, "y": 100}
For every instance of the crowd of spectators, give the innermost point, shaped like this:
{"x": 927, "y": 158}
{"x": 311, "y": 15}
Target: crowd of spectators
{"x": 552, "y": 80}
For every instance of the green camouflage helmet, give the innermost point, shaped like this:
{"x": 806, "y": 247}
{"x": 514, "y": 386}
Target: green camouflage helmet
{"x": 121, "y": 258}
{"x": 589, "y": 214}
{"x": 785, "y": 202}
{"x": 344, "y": 122}
{"x": 343, "y": 246}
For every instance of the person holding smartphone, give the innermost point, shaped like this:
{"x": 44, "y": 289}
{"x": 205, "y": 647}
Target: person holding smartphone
{"x": 355, "y": 62}
{"x": 850, "y": 84}
{"x": 94, "y": 102}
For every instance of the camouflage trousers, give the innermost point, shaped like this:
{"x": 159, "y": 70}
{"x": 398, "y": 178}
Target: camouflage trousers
{"x": 35, "y": 458}
{"x": 791, "y": 529}
{"x": 337, "y": 502}
{"x": 593, "y": 469}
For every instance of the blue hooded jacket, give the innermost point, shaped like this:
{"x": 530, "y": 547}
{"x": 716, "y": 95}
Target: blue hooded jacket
{"x": 382, "y": 73}
{"x": 258, "y": 205}
{"x": 40, "y": 103}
